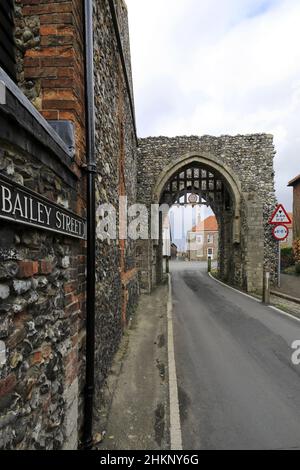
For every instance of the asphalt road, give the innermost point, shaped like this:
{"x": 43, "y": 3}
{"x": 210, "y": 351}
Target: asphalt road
{"x": 238, "y": 388}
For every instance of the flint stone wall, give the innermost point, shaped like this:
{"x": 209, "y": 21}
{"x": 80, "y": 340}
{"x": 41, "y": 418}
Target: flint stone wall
{"x": 43, "y": 276}
{"x": 42, "y": 280}
{"x": 117, "y": 288}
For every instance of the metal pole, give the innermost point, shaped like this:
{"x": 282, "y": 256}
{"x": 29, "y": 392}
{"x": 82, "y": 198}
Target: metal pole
{"x": 209, "y": 264}
{"x": 279, "y": 264}
{"x": 91, "y": 229}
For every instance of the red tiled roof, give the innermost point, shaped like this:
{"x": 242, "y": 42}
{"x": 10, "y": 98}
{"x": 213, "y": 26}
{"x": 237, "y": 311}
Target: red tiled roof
{"x": 209, "y": 224}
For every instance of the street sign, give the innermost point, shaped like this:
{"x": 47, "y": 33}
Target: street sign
{"x": 280, "y": 216}
{"x": 23, "y": 206}
{"x": 280, "y": 232}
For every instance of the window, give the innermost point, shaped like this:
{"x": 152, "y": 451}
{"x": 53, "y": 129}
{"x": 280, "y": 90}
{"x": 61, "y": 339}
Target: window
{"x": 199, "y": 238}
{"x": 210, "y": 253}
{"x": 210, "y": 238}
{"x": 7, "y": 42}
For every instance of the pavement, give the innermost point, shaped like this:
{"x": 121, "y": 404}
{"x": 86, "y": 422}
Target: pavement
{"x": 290, "y": 285}
{"x": 286, "y": 305}
{"x": 139, "y": 413}
{"x": 238, "y": 387}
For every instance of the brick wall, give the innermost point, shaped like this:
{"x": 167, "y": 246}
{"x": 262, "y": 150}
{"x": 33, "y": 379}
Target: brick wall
{"x": 42, "y": 276}
{"x": 117, "y": 279}
{"x": 50, "y": 39}
{"x": 297, "y": 211}
{"x": 51, "y": 60}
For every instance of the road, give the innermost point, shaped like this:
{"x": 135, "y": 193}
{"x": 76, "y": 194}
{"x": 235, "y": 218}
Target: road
{"x": 238, "y": 388}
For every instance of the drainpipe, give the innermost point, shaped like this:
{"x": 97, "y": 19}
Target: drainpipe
{"x": 91, "y": 227}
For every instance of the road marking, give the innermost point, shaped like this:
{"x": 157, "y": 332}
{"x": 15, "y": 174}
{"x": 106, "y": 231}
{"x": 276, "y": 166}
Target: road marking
{"x": 232, "y": 288}
{"x": 175, "y": 425}
{"x": 282, "y": 312}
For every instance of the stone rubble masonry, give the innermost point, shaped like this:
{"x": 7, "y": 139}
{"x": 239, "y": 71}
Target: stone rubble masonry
{"x": 43, "y": 275}
{"x": 117, "y": 286}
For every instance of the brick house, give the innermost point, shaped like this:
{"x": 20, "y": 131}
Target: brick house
{"x": 288, "y": 243}
{"x": 295, "y": 184}
{"x": 203, "y": 240}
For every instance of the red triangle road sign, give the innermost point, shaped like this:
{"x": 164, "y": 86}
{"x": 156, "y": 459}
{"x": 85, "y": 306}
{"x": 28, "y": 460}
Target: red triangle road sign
{"x": 280, "y": 216}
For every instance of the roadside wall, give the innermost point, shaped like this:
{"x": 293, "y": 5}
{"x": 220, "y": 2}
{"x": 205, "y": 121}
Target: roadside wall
{"x": 42, "y": 274}
{"x": 116, "y": 152}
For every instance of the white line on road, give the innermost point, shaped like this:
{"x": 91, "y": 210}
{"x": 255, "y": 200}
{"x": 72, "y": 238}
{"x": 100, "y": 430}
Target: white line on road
{"x": 232, "y": 288}
{"x": 282, "y": 312}
{"x": 175, "y": 425}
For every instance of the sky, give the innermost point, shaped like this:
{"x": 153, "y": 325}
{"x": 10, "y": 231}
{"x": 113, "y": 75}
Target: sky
{"x": 216, "y": 67}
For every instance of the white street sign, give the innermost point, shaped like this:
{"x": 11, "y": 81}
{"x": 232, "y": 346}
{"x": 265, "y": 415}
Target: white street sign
{"x": 280, "y": 216}
{"x": 281, "y": 232}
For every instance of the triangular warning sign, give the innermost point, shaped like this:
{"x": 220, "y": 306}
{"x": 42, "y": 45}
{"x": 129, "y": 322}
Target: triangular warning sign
{"x": 280, "y": 216}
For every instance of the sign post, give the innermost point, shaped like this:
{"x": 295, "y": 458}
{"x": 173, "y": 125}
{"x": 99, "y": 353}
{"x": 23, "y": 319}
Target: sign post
{"x": 209, "y": 264}
{"x": 279, "y": 219}
{"x": 266, "y": 288}
{"x": 279, "y": 264}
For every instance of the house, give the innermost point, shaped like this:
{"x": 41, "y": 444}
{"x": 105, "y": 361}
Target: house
{"x": 295, "y": 184}
{"x": 203, "y": 240}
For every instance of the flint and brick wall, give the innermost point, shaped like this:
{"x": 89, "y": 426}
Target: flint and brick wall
{"x": 42, "y": 304}
{"x": 116, "y": 152}
{"x": 49, "y": 38}
{"x": 43, "y": 275}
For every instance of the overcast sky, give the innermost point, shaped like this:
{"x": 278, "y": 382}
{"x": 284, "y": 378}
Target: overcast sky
{"x": 220, "y": 67}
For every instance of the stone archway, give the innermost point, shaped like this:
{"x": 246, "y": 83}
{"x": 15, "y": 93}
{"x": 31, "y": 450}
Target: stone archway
{"x": 245, "y": 165}
{"x": 200, "y": 175}
{"x": 211, "y": 162}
